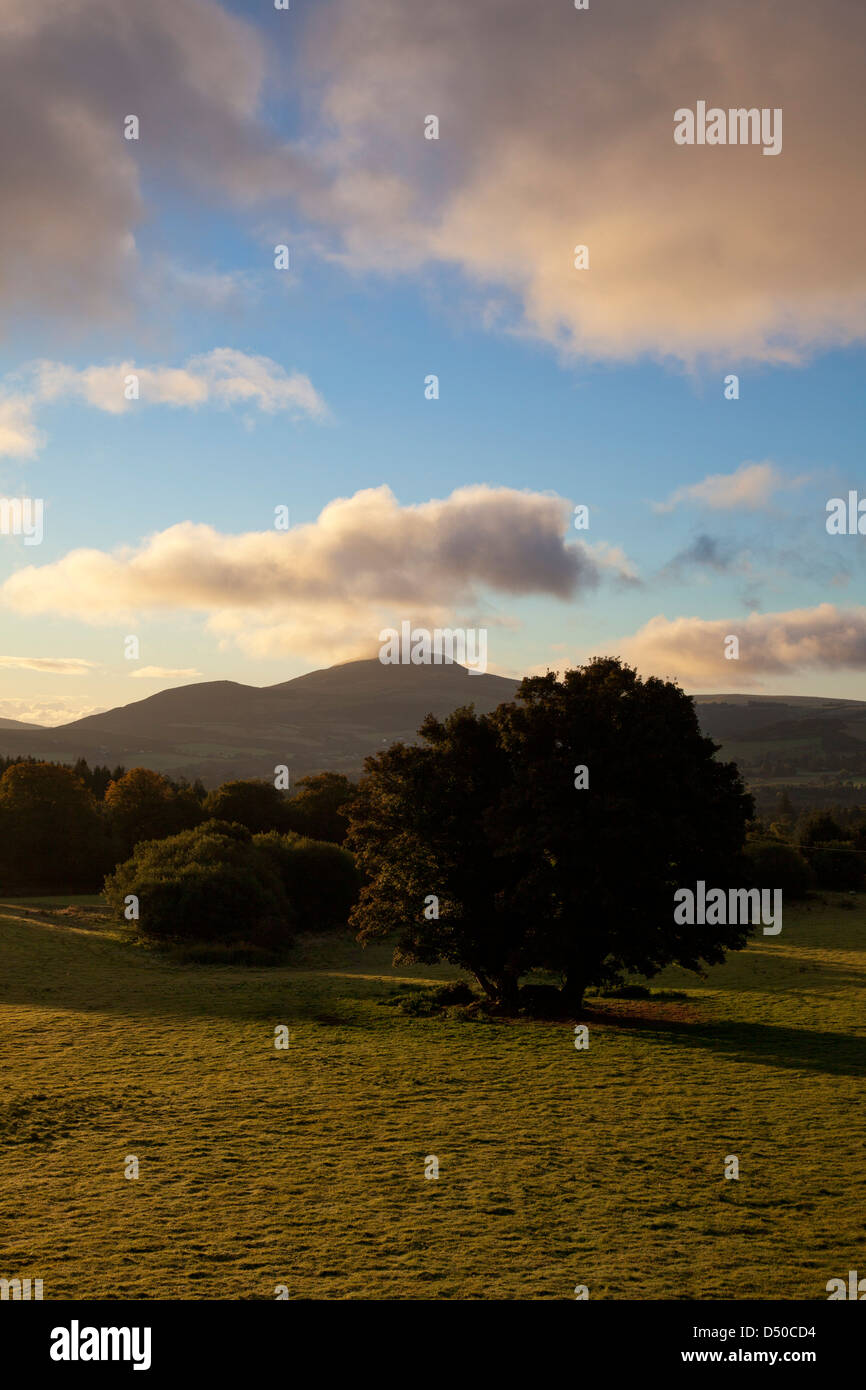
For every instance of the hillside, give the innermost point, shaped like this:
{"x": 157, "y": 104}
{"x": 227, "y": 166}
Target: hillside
{"x": 325, "y": 720}
{"x": 333, "y": 718}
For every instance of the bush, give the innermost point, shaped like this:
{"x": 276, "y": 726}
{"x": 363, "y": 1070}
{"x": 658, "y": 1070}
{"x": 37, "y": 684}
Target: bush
{"x": 319, "y": 879}
{"x": 213, "y": 883}
{"x": 837, "y": 865}
{"x": 779, "y": 866}
{"x": 435, "y": 999}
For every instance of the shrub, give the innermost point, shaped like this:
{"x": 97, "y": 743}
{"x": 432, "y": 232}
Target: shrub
{"x": 837, "y": 865}
{"x": 319, "y": 879}
{"x": 212, "y": 883}
{"x": 436, "y": 999}
{"x": 779, "y": 866}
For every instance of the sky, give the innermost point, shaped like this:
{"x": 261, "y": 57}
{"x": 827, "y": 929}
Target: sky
{"x": 169, "y": 390}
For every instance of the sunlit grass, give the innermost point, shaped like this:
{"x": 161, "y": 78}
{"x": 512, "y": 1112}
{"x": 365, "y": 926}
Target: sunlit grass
{"x": 261, "y": 1167}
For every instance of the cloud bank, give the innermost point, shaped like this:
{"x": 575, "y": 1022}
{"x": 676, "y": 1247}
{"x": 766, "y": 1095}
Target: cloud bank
{"x": 328, "y": 587}
{"x": 556, "y": 129}
{"x": 692, "y": 650}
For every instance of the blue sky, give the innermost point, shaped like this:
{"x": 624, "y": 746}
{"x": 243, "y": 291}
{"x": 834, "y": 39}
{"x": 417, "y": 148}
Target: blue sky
{"x": 520, "y": 408}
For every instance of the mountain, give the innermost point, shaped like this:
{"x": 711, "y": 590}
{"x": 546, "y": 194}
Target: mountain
{"x": 331, "y": 719}
{"x": 18, "y": 724}
{"x": 325, "y": 720}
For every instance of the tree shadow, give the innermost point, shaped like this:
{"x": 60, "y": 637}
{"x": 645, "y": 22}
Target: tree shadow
{"x": 801, "y": 1049}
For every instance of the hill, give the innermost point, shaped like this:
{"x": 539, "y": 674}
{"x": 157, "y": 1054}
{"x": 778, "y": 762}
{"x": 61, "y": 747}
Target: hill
{"x": 325, "y": 720}
{"x": 333, "y": 718}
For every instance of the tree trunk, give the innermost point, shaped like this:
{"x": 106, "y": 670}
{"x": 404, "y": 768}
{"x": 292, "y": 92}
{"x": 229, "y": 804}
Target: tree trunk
{"x": 573, "y": 991}
{"x": 507, "y": 990}
{"x": 501, "y": 989}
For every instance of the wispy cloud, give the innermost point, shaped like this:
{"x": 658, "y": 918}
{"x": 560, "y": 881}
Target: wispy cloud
{"x": 51, "y": 665}
{"x": 163, "y": 673}
{"x": 750, "y": 488}
{"x": 223, "y": 377}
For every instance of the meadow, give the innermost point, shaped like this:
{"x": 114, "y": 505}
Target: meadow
{"x": 305, "y": 1167}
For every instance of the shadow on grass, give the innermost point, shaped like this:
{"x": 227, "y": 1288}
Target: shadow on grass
{"x": 48, "y": 967}
{"x": 802, "y": 1049}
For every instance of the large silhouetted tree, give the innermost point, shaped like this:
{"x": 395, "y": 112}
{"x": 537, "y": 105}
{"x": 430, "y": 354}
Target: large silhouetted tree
{"x": 553, "y": 833}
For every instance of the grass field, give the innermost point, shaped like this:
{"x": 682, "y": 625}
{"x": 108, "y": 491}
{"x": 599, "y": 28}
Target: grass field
{"x": 306, "y": 1167}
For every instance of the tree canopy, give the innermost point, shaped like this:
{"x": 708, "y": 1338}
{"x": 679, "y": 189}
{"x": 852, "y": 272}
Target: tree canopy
{"x": 552, "y": 833}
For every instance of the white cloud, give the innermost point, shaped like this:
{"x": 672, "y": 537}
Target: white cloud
{"x": 50, "y": 713}
{"x": 19, "y": 437}
{"x": 224, "y": 377}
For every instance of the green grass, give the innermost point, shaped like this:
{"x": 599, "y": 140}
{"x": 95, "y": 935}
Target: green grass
{"x": 306, "y": 1167}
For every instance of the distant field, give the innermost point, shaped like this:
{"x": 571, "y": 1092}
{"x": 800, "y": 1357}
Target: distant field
{"x": 306, "y": 1167}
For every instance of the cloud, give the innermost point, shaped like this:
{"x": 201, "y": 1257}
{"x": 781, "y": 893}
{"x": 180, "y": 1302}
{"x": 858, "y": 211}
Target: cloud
{"x": 612, "y": 560}
{"x": 703, "y": 553}
{"x": 556, "y": 129}
{"x": 162, "y": 673}
{"x": 50, "y": 713}
{"x": 749, "y": 488}
{"x": 691, "y": 650}
{"x": 224, "y": 377}
{"x": 328, "y": 587}
{"x": 191, "y": 71}
{"x": 19, "y": 437}
{"x": 52, "y": 665}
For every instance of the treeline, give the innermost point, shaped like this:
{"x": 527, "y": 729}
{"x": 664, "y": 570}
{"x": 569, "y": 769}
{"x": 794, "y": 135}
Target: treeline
{"x": 815, "y": 849}
{"x": 64, "y": 828}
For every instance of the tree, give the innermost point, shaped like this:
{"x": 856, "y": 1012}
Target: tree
{"x": 143, "y": 805}
{"x": 254, "y": 802}
{"x": 819, "y": 828}
{"x": 778, "y": 865}
{"x": 51, "y": 835}
{"x": 483, "y": 823}
{"x": 318, "y": 808}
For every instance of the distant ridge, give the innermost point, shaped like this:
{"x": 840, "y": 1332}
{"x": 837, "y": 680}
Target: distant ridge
{"x": 331, "y": 719}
